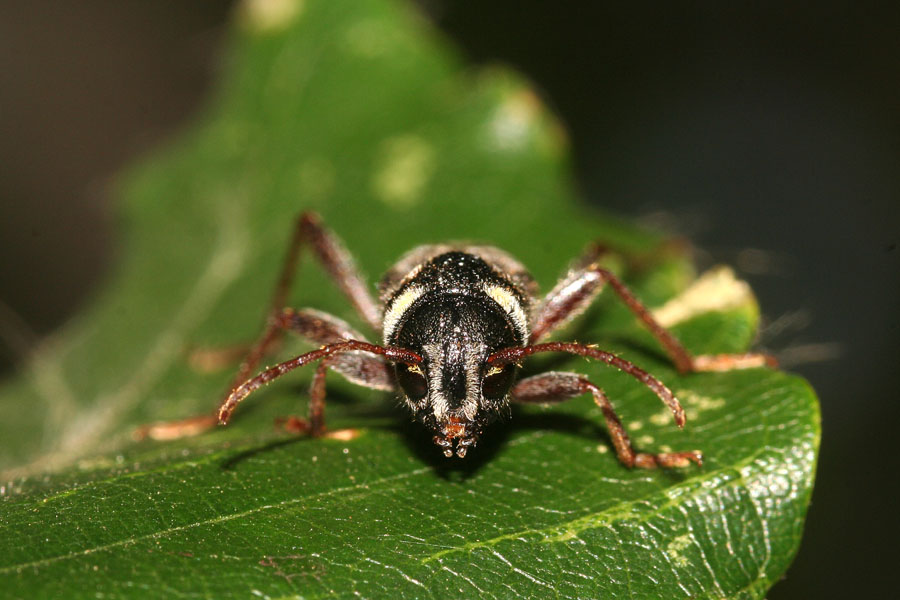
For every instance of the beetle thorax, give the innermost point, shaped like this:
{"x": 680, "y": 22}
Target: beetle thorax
{"x": 456, "y": 273}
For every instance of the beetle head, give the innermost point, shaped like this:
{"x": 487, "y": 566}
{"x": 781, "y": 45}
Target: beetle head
{"x": 454, "y": 392}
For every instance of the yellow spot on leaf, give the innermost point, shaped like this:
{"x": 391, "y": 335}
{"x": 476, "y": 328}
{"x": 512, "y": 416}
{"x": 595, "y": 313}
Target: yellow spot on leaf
{"x": 405, "y": 165}
{"x": 663, "y": 417}
{"x": 266, "y": 16}
{"x": 512, "y": 123}
{"x": 343, "y": 435}
{"x": 645, "y": 440}
{"x": 716, "y": 290}
{"x": 676, "y": 547}
{"x": 699, "y": 402}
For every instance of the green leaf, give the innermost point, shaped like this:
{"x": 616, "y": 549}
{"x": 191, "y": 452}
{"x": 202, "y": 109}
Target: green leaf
{"x": 356, "y": 110}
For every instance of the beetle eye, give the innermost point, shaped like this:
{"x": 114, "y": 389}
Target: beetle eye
{"x": 497, "y": 381}
{"x": 412, "y": 381}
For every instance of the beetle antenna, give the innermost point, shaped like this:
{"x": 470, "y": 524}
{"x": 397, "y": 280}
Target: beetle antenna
{"x": 245, "y": 389}
{"x": 514, "y": 355}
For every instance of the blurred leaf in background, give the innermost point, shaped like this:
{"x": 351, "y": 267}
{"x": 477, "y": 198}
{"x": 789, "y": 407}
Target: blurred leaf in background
{"x": 358, "y": 111}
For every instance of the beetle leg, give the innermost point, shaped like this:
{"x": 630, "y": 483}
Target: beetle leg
{"x": 337, "y": 262}
{"x": 336, "y": 259}
{"x": 575, "y": 292}
{"x": 237, "y": 395}
{"x": 555, "y": 386}
{"x": 314, "y": 424}
{"x": 359, "y": 367}
{"x": 322, "y": 328}
{"x": 570, "y": 297}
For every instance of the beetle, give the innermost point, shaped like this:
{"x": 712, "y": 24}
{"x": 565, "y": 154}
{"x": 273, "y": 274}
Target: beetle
{"x": 456, "y": 322}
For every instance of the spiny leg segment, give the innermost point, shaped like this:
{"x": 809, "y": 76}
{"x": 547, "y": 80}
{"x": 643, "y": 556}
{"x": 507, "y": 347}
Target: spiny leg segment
{"x": 516, "y": 355}
{"x": 337, "y": 262}
{"x": 576, "y": 291}
{"x": 246, "y": 388}
{"x": 314, "y": 325}
{"x": 555, "y": 387}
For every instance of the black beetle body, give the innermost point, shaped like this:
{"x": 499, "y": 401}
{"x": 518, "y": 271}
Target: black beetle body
{"x": 455, "y": 310}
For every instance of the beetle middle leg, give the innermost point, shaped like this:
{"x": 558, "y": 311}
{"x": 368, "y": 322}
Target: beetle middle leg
{"x": 555, "y": 386}
{"x": 357, "y": 367}
{"x": 319, "y": 327}
{"x": 577, "y": 290}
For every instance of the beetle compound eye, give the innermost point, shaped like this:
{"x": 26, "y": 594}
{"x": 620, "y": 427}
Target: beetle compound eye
{"x": 497, "y": 381}
{"x": 412, "y": 380}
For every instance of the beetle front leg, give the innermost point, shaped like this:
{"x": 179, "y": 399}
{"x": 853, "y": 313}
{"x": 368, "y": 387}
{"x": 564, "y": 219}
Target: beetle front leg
{"x": 336, "y": 259}
{"x": 577, "y": 290}
{"x": 339, "y": 264}
{"x": 557, "y": 386}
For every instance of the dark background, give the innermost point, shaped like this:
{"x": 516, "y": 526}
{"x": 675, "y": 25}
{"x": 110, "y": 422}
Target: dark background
{"x": 768, "y": 135}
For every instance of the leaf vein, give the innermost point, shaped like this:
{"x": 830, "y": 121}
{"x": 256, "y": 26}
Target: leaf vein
{"x": 569, "y": 530}
{"x": 218, "y": 519}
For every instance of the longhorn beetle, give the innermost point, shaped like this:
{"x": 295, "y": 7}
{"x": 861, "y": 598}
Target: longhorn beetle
{"x": 456, "y": 322}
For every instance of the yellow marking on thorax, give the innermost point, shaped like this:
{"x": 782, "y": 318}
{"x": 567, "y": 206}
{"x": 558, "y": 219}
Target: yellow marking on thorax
{"x": 511, "y": 305}
{"x": 398, "y": 308}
